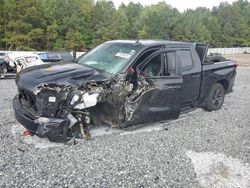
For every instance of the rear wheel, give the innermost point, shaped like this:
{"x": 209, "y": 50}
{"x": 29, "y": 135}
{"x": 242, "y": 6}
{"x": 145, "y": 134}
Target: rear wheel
{"x": 215, "y": 97}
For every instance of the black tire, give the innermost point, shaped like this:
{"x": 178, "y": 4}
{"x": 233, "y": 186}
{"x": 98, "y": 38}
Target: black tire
{"x": 215, "y": 97}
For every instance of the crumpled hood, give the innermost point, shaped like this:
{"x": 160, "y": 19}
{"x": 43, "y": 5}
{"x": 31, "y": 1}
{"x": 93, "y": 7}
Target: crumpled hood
{"x": 60, "y": 73}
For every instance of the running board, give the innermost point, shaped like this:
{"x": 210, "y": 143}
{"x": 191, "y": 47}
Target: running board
{"x": 187, "y": 109}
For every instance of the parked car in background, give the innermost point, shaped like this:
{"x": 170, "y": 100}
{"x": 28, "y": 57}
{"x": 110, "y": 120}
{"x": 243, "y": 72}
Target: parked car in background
{"x": 80, "y": 56}
{"x": 2, "y": 54}
{"x": 51, "y": 57}
{"x": 16, "y": 61}
{"x": 3, "y": 68}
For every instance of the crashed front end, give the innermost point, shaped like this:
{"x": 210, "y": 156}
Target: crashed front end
{"x": 62, "y": 112}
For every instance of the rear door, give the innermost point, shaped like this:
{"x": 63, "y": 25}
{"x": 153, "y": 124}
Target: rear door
{"x": 191, "y": 73}
{"x": 163, "y": 100}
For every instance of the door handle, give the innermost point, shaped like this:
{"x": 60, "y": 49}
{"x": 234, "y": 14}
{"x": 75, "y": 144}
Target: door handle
{"x": 196, "y": 76}
{"x": 174, "y": 87}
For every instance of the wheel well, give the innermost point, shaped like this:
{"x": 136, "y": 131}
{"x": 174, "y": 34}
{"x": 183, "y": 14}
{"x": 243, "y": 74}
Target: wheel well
{"x": 224, "y": 83}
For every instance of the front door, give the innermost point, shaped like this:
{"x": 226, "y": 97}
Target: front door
{"x": 162, "y": 100}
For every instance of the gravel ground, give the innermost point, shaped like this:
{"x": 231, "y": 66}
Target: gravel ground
{"x": 202, "y": 149}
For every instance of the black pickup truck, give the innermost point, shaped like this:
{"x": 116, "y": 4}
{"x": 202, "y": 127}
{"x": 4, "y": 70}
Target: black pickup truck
{"x": 121, "y": 83}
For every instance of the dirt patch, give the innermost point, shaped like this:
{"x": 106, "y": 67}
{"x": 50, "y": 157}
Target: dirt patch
{"x": 242, "y": 59}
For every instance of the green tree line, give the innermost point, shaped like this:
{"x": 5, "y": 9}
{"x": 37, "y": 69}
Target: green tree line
{"x": 80, "y": 24}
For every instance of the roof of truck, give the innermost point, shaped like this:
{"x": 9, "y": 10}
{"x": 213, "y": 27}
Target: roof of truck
{"x": 155, "y": 42}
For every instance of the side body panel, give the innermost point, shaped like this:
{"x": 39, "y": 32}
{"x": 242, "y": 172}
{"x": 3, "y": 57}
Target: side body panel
{"x": 159, "y": 103}
{"x": 191, "y": 81}
{"x": 162, "y": 100}
{"x": 222, "y": 72}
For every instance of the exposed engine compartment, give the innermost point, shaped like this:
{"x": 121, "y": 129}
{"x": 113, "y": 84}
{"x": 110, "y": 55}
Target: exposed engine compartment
{"x": 67, "y": 111}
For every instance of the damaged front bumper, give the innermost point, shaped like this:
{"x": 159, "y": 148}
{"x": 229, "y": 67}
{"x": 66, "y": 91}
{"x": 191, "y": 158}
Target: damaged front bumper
{"x": 40, "y": 126}
{"x": 58, "y": 111}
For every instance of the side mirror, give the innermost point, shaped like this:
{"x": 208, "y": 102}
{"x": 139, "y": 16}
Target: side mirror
{"x": 131, "y": 71}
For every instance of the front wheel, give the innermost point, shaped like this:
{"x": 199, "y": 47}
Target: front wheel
{"x": 215, "y": 97}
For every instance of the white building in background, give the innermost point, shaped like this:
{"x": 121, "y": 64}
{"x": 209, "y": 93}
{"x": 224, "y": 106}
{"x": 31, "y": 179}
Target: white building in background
{"x": 239, "y": 50}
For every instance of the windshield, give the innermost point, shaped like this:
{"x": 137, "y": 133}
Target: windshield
{"x": 110, "y": 57}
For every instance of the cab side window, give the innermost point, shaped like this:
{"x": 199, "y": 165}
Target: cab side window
{"x": 144, "y": 56}
{"x": 186, "y": 60}
{"x": 153, "y": 67}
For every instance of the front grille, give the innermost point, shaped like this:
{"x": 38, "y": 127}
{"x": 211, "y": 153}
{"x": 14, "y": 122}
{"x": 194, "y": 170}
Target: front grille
{"x": 47, "y": 103}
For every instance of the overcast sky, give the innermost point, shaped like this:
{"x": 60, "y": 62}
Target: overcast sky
{"x": 181, "y": 5}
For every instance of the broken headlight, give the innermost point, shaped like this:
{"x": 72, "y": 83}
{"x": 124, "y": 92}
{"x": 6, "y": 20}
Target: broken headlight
{"x": 87, "y": 101}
